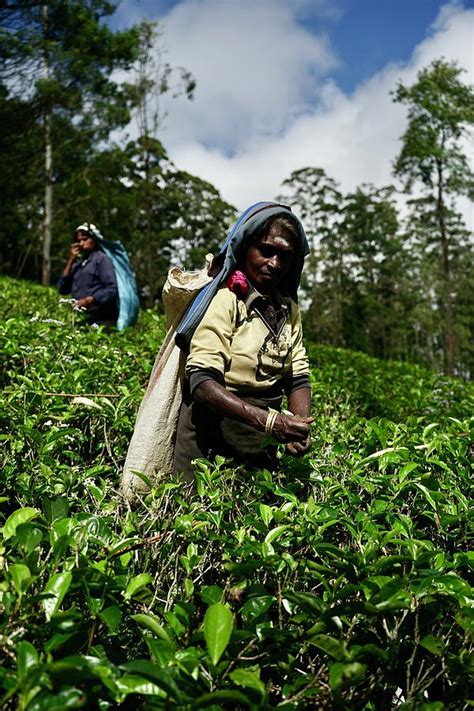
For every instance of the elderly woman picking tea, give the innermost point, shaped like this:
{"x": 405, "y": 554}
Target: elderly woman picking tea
{"x": 247, "y": 351}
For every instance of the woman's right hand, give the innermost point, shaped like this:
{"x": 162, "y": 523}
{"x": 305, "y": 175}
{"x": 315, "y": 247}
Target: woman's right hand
{"x": 73, "y": 251}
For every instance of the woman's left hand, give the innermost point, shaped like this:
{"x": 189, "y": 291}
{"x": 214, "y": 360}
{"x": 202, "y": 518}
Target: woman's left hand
{"x": 300, "y": 407}
{"x": 297, "y": 449}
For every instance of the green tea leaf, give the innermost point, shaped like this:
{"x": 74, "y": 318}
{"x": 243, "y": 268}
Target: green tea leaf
{"x": 20, "y": 575}
{"x": 134, "y": 684}
{"x": 29, "y": 535}
{"x": 256, "y": 606}
{"x": 55, "y": 509}
{"x": 432, "y": 644}
{"x": 341, "y": 675}
{"x": 249, "y": 679}
{"x": 330, "y": 645}
{"x": 407, "y": 469}
{"x": 27, "y": 657}
{"x": 16, "y": 518}
{"x": 137, "y": 583}
{"x": 275, "y": 533}
{"x": 112, "y": 617}
{"x": 211, "y": 594}
{"x": 218, "y": 624}
{"x": 161, "y": 677}
{"x": 426, "y": 493}
{"x": 266, "y": 513}
{"x": 217, "y": 699}
{"x": 56, "y": 587}
{"x": 306, "y": 601}
{"x": 70, "y": 698}
{"x": 379, "y": 431}
{"x": 153, "y": 624}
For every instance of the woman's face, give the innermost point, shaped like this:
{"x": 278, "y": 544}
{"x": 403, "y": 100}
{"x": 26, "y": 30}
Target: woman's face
{"x": 268, "y": 260}
{"x": 85, "y": 241}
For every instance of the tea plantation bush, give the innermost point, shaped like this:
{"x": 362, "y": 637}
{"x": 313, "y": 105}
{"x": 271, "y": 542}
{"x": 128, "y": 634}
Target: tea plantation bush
{"x": 340, "y": 581}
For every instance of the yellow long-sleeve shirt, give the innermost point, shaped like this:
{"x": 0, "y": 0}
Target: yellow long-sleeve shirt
{"x": 235, "y": 343}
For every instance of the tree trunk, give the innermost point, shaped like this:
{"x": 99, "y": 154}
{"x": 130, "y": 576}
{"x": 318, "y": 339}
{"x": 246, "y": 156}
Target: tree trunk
{"x": 151, "y": 256}
{"x": 48, "y": 167}
{"x": 48, "y": 201}
{"x": 447, "y": 295}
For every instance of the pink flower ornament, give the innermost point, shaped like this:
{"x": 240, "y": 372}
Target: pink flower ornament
{"x": 237, "y": 282}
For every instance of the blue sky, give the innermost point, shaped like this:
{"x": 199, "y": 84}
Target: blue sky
{"x": 371, "y": 33}
{"x": 282, "y": 84}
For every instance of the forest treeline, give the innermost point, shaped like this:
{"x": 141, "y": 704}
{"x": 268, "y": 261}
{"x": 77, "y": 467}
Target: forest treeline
{"x": 389, "y": 276}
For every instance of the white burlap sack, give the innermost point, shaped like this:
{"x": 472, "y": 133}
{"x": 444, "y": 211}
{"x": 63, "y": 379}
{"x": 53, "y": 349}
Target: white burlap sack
{"x": 151, "y": 448}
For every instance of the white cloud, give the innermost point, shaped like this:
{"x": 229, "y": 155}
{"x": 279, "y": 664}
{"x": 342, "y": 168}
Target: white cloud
{"x": 265, "y": 105}
{"x": 257, "y": 69}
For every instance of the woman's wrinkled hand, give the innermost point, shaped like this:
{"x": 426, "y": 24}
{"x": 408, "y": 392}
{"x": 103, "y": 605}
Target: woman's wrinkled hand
{"x": 293, "y": 431}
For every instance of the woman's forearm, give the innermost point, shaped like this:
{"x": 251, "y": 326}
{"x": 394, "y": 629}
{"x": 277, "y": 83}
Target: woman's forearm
{"x": 299, "y": 402}
{"x": 68, "y": 268}
{"x": 286, "y": 428}
{"x": 218, "y": 399}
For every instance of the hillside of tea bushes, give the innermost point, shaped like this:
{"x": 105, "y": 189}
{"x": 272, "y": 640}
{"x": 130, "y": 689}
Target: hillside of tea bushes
{"x": 339, "y": 582}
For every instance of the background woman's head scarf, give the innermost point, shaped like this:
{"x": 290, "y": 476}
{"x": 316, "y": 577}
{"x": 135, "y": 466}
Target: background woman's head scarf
{"x": 91, "y": 230}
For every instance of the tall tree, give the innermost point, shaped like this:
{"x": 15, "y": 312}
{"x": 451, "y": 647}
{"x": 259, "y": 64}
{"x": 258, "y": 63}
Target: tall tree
{"x": 20, "y": 185}
{"x": 202, "y": 220}
{"x": 153, "y": 77}
{"x": 440, "y": 112}
{"x": 355, "y": 277}
{"x": 373, "y": 248}
{"x": 60, "y": 55}
{"x": 316, "y": 198}
{"x": 173, "y": 217}
{"x": 427, "y": 318}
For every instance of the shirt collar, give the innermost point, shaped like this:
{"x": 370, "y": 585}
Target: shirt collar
{"x": 254, "y": 299}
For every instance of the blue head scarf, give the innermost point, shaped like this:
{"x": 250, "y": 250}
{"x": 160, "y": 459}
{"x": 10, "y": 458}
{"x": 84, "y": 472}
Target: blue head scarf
{"x": 249, "y": 222}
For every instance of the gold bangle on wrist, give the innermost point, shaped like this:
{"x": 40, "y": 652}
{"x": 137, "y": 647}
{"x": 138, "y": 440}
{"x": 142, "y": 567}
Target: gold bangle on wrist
{"x": 270, "y": 422}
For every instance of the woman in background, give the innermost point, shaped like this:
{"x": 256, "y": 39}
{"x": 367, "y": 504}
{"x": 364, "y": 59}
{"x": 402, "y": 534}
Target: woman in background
{"x": 91, "y": 280}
